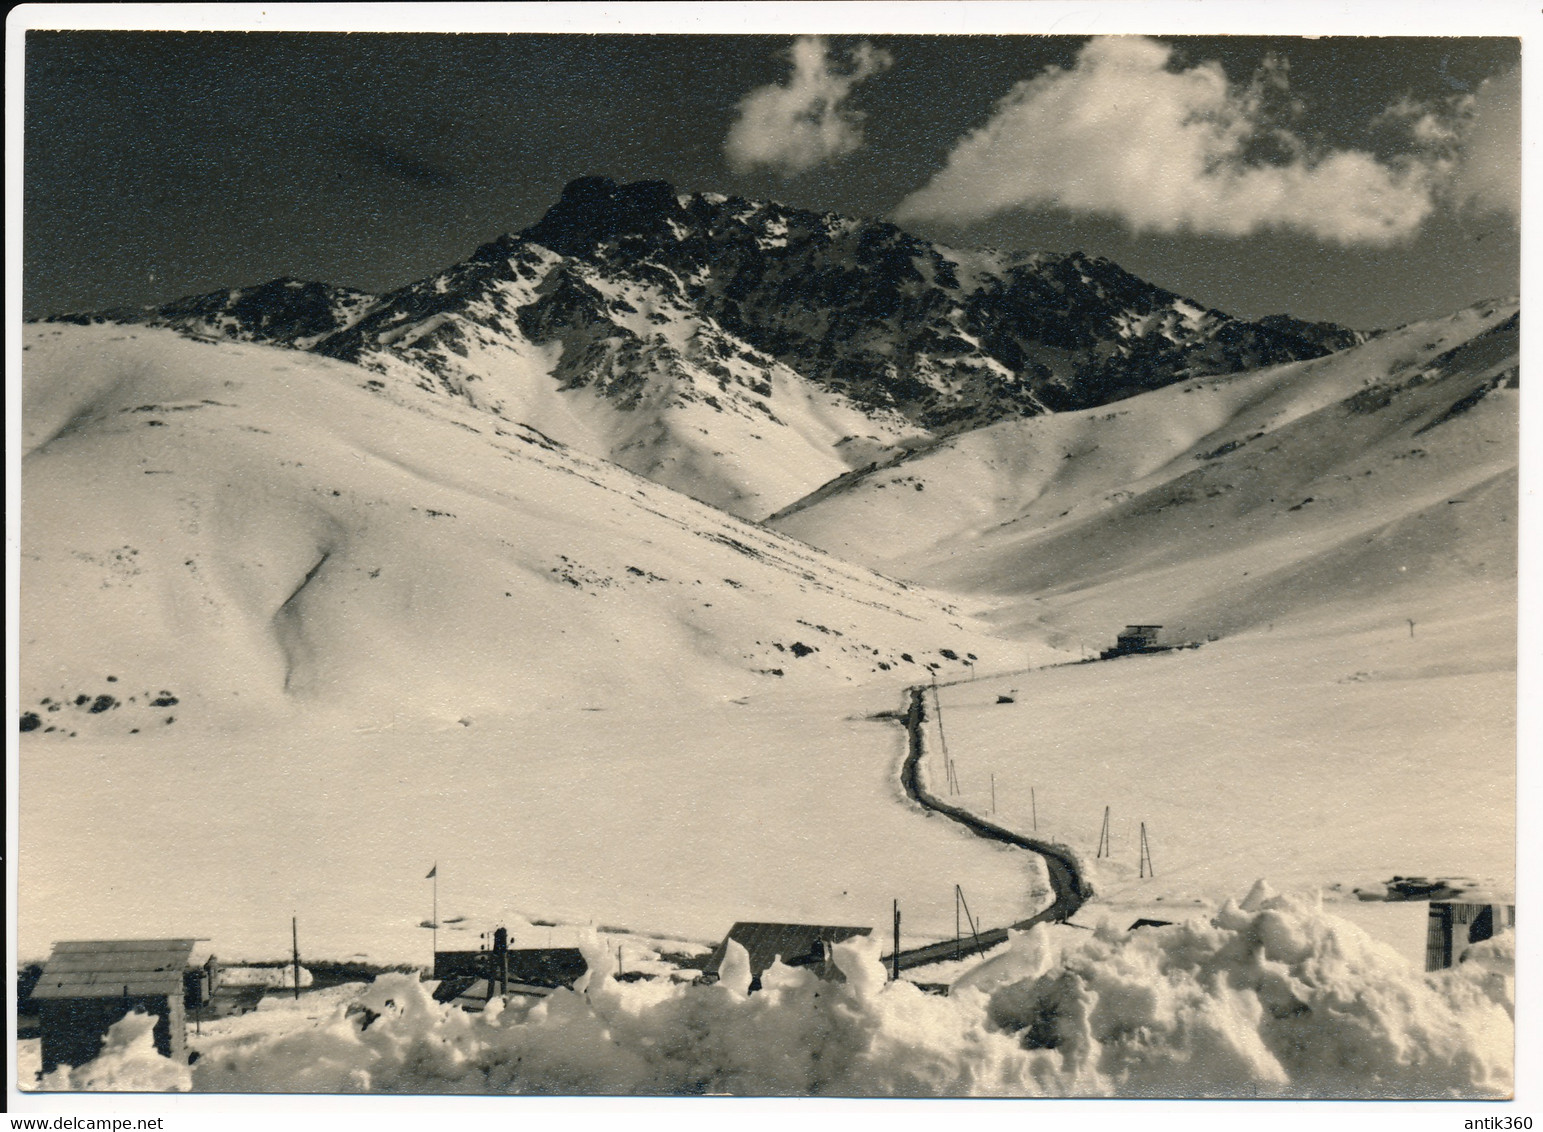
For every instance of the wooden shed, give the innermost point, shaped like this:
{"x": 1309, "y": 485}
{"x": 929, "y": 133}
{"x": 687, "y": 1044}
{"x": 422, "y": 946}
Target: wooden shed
{"x": 1453, "y": 925}
{"x": 88, "y": 985}
{"x": 796, "y": 945}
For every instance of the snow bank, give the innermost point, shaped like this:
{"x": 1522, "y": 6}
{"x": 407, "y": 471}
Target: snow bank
{"x": 1268, "y": 997}
{"x": 263, "y": 977}
{"x": 128, "y": 1063}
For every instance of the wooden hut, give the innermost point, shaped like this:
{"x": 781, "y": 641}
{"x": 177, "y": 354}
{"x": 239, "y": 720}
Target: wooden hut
{"x": 88, "y": 985}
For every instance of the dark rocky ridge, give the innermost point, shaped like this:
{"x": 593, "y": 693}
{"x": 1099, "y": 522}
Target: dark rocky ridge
{"x": 866, "y": 308}
{"x": 660, "y": 303}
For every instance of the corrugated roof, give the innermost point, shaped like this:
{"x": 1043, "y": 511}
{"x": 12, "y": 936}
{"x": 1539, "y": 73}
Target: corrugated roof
{"x": 104, "y": 968}
{"x": 795, "y": 944}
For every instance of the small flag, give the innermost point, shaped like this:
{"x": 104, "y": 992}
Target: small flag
{"x": 433, "y": 872}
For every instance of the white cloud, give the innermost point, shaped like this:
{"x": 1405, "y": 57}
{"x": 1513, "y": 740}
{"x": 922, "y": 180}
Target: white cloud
{"x": 797, "y": 125}
{"x": 1489, "y": 172}
{"x": 1121, "y": 135}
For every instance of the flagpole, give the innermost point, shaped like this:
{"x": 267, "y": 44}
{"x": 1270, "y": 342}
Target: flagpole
{"x": 434, "y": 914}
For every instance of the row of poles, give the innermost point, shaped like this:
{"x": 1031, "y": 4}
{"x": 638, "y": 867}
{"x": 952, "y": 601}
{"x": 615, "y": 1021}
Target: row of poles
{"x": 962, "y": 918}
{"x": 1144, "y": 853}
{"x": 951, "y": 777}
{"x": 961, "y": 907}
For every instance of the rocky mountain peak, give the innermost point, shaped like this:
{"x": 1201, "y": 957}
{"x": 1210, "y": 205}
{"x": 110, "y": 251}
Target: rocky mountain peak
{"x": 598, "y": 210}
{"x": 686, "y": 329}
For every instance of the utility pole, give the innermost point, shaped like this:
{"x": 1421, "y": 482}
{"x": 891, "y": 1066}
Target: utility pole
{"x": 294, "y": 939}
{"x": 993, "y": 793}
{"x": 895, "y": 959}
{"x": 1034, "y": 808}
{"x": 948, "y": 763}
{"x": 1103, "y": 836}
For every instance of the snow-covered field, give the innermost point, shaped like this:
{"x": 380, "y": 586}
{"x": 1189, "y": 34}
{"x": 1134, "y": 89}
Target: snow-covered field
{"x": 1315, "y": 758}
{"x": 671, "y": 821}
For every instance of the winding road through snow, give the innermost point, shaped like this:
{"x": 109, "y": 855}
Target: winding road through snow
{"x": 1071, "y": 889}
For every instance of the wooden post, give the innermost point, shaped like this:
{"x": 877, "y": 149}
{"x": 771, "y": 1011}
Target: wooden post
{"x": 896, "y": 958}
{"x": 294, "y": 937}
{"x": 960, "y": 901}
{"x": 1034, "y": 808}
{"x": 500, "y": 971}
{"x": 993, "y": 793}
{"x": 1103, "y": 836}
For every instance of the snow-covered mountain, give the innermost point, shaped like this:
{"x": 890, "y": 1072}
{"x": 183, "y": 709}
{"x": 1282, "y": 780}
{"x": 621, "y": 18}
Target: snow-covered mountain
{"x": 744, "y": 352}
{"x": 1382, "y": 474}
{"x": 232, "y": 531}
{"x": 357, "y": 569}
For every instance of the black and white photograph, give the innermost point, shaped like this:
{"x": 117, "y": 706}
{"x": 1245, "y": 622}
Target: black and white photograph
{"x": 766, "y": 551}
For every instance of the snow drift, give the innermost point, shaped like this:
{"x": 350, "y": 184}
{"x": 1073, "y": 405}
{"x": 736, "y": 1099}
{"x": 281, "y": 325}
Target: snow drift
{"x": 1270, "y": 996}
{"x": 264, "y": 977}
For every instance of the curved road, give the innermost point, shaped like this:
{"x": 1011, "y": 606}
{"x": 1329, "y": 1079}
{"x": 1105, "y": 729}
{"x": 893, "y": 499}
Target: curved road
{"x": 1071, "y": 889}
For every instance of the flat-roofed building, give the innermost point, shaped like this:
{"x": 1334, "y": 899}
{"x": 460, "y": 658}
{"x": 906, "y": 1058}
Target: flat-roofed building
{"x": 88, "y": 985}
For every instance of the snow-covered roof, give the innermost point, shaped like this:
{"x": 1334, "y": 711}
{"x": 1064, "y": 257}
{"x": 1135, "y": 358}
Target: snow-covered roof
{"x": 114, "y": 968}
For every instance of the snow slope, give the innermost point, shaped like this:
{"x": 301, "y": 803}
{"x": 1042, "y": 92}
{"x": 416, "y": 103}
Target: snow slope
{"x": 1339, "y": 537}
{"x": 621, "y": 366}
{"x": 668, "y": 819}
{"x": 285, "y": 643}
{"x": 236, "y": 531}
{"x": 1386, "y": 472}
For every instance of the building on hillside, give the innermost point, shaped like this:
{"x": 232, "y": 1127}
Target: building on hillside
{"x": 1135, "y": 639}
{"x": 796, "y": 945}
{"x": 89, "y": 985}
{"x": 1453, "y": 925}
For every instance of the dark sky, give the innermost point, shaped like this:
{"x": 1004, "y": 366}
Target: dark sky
{"x": 164, "y": 164}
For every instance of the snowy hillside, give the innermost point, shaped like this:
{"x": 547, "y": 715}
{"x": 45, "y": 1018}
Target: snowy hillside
{"x": 1338, "y": 536}
{"x": 1382, "y": 474}
{"x": 223, "y": 532}
{"x": 743, "y": 352}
